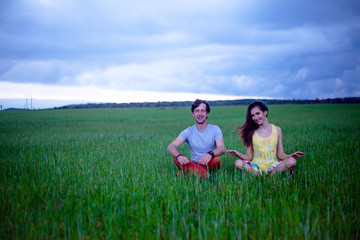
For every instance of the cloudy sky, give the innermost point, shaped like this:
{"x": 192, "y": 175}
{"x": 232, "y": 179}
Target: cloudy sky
{"x": 133, "y": 51}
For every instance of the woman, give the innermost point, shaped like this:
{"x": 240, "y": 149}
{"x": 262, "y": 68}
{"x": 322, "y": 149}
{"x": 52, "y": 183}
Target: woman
{"x": 264, "y": 147}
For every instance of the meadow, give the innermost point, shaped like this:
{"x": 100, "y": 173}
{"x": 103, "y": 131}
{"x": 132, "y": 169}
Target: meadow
{"x": 105, "y": 173}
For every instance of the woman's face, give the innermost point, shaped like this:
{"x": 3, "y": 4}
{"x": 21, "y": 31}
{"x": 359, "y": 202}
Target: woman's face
{"x": 258, "y": 115}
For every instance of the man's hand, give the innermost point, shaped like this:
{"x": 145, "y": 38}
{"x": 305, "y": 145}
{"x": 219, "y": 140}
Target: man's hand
{"x": 205, "y": 159}
{"x": 183, "y": 160}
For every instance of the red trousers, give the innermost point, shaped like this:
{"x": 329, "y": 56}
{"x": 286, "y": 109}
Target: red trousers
{"x": 198, "y": 169}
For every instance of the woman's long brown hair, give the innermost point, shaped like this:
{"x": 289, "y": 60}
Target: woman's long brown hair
{"x": 247, "y": 130}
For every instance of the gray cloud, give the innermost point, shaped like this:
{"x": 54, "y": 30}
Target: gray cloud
{"x": 282, "y": 49}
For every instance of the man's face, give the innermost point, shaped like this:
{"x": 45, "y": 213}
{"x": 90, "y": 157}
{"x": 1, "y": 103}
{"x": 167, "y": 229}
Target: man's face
{"x": 200, "y": 114}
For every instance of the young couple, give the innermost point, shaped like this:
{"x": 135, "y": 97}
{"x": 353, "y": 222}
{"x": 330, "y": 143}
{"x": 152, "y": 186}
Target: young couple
{"x": 264, "y": 149}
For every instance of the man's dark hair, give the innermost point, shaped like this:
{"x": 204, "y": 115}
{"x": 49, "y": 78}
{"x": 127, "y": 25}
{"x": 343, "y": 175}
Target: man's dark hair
{"x": 197, "y": 103}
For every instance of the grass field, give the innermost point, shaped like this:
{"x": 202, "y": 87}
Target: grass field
{"x": 105, "y": 173}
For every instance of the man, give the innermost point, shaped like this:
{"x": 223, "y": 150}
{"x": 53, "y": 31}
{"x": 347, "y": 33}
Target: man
{"x": 205, "y": 142}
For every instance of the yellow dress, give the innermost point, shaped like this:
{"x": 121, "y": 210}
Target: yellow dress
{"x": 264, "y": 150}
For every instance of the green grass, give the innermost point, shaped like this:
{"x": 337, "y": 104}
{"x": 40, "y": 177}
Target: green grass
{"x": 105, "y": 173}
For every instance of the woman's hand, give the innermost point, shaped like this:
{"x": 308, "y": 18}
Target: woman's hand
{"x": 233, "y": 153}
{"x": 298, "y": 155}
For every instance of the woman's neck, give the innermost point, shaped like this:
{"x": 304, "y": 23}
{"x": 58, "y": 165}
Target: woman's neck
{"x": 264, "y": 126}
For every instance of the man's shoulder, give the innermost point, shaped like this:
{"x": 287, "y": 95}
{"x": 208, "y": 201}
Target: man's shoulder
{"x": 188, "y": 130}
{"x": 213, "y": 126}
{"x": 191, "y": 128}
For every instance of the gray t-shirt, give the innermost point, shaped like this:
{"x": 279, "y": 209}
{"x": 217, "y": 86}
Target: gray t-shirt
{"x": 201, "y": 142}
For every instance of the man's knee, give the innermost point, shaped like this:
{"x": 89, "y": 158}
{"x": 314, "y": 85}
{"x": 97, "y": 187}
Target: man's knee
{"x": 215, "y": 160}
{"x": 214, "y": 163}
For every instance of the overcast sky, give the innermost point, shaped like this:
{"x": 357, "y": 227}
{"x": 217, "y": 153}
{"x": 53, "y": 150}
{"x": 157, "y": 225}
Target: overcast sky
{"x": 139, "y": 50}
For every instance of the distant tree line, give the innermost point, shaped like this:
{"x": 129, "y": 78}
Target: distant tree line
{"x": 212, "y": 103}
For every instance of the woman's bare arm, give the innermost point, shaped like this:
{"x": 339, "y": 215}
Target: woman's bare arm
{"x": 248, "y": 156}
